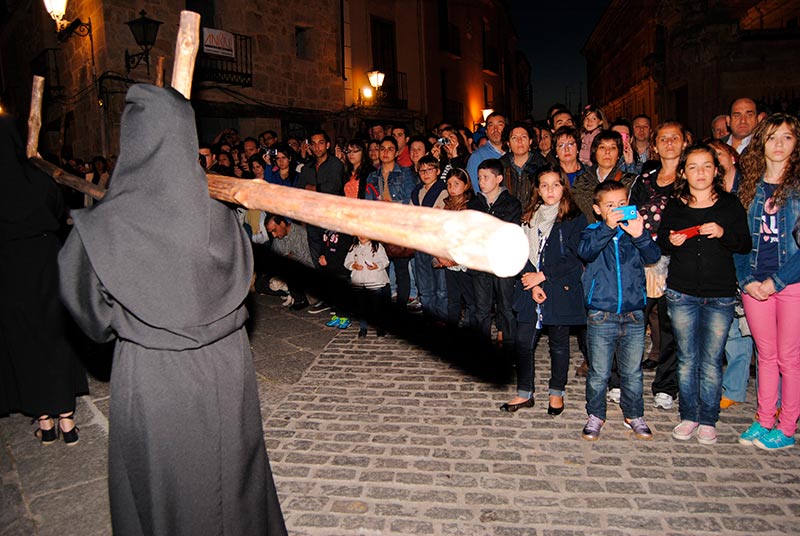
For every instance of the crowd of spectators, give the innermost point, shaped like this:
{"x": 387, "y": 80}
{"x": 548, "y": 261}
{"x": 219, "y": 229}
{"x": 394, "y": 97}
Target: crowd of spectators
{"x": 511, "y": 170}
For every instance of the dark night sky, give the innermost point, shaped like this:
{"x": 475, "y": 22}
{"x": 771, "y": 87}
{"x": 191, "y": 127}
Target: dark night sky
{"x": 551, "y": 35}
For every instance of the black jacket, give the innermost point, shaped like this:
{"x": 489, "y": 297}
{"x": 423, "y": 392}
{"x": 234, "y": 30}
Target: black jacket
{"x": 563, "y": 269}
{"x": 704, "y": 266}
{"x": 506, "y": 207}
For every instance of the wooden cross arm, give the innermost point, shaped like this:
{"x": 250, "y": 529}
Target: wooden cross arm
{"x": 470, "y": 238}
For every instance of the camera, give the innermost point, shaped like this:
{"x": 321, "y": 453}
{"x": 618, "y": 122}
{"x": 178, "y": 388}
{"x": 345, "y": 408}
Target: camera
{"x": 443, "y": 141}
{"x": 629, "y": 212}
{"x": 272, "y": 153}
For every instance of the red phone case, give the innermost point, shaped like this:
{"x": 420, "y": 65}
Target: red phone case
{"x": 689, "y": 232}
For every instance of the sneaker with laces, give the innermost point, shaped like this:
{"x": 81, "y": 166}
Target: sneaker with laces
{"x": 414, "y": 305}
{"x": 706, "y": 434}
{"x": 774, "y": 440}
{"x": 319, "y": 307}
{"x": 591, "y": 432}
{"x": 333, "y": 322}
{"x": 344, "y": 322}
{"x": 614, "y": 395}
{"x": 663, "y": 401}
{"x": 756, "y": 431}
{"x": 639, "y": 427}
{"x": 685, "y": 430}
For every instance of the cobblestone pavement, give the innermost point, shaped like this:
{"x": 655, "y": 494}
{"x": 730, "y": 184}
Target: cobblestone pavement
{"x": 388, "y": 437}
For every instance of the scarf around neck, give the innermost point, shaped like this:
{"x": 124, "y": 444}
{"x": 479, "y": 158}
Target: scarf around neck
{"x": 539, "y": 229}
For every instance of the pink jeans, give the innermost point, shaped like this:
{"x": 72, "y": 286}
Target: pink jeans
{"x": 775, "y": 325}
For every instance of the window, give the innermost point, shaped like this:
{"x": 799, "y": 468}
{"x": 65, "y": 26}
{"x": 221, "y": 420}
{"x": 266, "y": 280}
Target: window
{"x": 302, "y": 42}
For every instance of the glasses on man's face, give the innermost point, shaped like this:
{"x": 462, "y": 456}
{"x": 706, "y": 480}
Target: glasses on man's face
{"x": 427, "y": 170}
{"x": 566, "y": 144}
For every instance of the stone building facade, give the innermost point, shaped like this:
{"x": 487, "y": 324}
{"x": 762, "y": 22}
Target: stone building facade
{"x": 298, "y": 66}
{"x": 687, "y": 60}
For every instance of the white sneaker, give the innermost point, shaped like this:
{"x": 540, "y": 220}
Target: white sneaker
{"x": 663, "y": 401}
{"x": 614, "y": 395}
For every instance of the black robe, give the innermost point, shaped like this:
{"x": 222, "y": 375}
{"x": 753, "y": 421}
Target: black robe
{"x": 39, "y": 371}
{"x": 165, "y": 269}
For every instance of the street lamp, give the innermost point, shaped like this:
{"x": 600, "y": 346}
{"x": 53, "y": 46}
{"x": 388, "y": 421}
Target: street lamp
{"x": 144, "y": 30}
{"x": 65, "y": 28}
{"x": 376, "y": 79}
{"x": 57, "y": 9}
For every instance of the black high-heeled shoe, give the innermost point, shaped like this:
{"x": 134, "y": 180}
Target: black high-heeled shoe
{"x": 511, "y": 408}
{"x": 70, "y": 437}
{"x": 555, "y": 411}
{"x": 45, "y": 436}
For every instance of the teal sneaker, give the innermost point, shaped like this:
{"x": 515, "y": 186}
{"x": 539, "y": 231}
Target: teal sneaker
{"x": 774, "y": 440}
{"x": 333, "y": 322}
{"x": 344, "y": 322}
{"x": 755, "y": 431}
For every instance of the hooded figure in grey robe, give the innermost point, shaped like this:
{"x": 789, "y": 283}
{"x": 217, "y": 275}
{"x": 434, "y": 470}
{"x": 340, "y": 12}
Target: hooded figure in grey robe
{"x": 165, "y": 269}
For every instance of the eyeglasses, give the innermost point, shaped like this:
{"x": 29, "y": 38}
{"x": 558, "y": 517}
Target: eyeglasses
{"x": 566, "y": 144}
{"x": 353, "y": 150}
{"x": 427, "y": 170}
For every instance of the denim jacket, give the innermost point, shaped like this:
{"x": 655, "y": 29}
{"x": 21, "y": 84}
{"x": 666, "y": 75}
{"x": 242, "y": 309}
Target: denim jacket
{"x": 788, "y": 255}
{"x": 401, "y": 182}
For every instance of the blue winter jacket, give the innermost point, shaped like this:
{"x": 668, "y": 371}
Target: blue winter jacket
{"x": 788, "y": 254}
{"x": 614, "y": 277}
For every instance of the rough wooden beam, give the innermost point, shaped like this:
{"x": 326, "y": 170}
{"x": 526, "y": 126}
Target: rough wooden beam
{"x": 471, "y": 238}
{"x": 35, "y": 117}
{"x": 186, "y": 49}
{"x": 160, "y": 72}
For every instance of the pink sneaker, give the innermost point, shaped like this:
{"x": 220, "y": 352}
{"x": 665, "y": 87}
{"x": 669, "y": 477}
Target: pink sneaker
{"x": 685, "y": 430}
{"x": 706, "y": 435}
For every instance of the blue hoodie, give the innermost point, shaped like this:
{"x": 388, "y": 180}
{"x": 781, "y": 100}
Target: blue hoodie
{"x": 614, "y": 277}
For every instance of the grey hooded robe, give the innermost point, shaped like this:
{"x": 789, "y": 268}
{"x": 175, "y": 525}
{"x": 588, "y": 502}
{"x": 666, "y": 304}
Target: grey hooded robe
{"x": 165, "y": 269}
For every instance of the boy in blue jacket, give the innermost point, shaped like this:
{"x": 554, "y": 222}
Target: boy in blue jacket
{"x": 614, "y": 287}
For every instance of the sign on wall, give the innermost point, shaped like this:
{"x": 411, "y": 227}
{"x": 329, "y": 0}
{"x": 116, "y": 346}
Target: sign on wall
{"x": 218, "y": 43}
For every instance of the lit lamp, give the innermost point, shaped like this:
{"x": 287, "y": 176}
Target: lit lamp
{"x": 57, "y": 9}
{"x": 144, "y": 30}
{"x": 376, "y": 79}
{"x": 65, "y": 28}
{"x": 486, "y": 112}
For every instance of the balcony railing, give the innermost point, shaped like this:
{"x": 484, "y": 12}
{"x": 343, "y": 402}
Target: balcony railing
{"x": 237, "y": 71}
{"x": 394, "y": 92}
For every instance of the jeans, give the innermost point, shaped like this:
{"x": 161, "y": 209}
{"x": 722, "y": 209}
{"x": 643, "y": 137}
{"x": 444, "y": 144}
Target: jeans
{"x": 700, "y": 327}
{"x": 610, "y": 334}
{"x": 738, "y": 352}
{"x": 527, "y": 339}
{"x": 487, "y": 287}
{"x": 774, "y": 323}
{"x": 403, "y": 278}
{"x": 459, "y": 287}
{"x": 431, "y": 286}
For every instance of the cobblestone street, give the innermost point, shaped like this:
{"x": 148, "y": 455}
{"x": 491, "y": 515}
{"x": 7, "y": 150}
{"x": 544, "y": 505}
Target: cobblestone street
{"x": 380, "y": 436}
